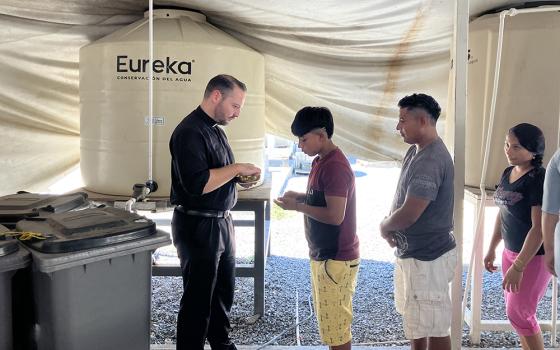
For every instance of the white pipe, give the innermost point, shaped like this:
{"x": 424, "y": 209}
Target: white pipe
{"x": 289, "y": 328}
{"x": 151, "y": 91}
{"x": 558, "y": 136}
{"x": 512, "y": 12}
{"x": 479, "y": 223}
{"x": 459, "y": 96}
{"x": 554, "y": 314}
{"x": 129, "y": 203}
{"x": 298, "y": 343}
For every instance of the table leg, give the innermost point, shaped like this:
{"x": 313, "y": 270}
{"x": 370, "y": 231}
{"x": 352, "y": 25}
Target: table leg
{"x": 260, "y": 258}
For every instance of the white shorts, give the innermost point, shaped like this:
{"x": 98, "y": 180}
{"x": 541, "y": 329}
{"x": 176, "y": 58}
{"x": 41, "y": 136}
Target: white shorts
{"x": 422, "y": 295}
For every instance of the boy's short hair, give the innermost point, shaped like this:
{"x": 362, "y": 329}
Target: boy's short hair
{"x": 310, "y": 118}
{"x": 422, "y": 101}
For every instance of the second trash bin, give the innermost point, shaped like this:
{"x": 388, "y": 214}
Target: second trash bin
{"x": 92, "y": 279}
{"x": 12, "y": 258}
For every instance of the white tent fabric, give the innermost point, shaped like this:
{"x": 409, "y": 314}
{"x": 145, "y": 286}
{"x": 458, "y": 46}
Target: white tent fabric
{"x": 39, "y": 102}
{"x": 357, "y": 58}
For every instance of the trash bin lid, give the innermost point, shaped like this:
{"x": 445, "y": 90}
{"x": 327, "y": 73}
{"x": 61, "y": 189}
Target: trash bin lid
{"x": 11, "y": 257}
{"x": 21, "y": 205}
{"x": 7, "y": 246}
{"x": 85, "y": 229}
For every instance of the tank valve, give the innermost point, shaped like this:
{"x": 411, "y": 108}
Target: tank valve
{"x": 141, "y": 191}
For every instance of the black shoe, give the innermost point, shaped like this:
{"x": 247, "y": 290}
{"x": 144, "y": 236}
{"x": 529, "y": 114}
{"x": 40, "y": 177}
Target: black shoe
{"x": 229, "y": 345}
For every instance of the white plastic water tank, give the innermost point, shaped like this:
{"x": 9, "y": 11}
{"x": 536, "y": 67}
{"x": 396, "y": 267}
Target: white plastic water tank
{"x": 114, "y": 70}
{"x": 528, "y": 88}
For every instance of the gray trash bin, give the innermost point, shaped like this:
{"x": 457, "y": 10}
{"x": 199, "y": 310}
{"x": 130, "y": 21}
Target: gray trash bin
{"x": 21, "y": 205}
{"x": 12, "y": 258}
{"x": 92, "y": 279}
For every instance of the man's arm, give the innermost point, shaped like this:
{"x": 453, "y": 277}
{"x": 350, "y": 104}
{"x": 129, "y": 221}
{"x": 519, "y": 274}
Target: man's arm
{"x": 220, "y": 176}
{"x": 332, "y": 214}
{"x": 405, "y": 216}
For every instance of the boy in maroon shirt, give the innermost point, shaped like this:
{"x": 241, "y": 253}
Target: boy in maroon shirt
{"x": 329, "y": 209}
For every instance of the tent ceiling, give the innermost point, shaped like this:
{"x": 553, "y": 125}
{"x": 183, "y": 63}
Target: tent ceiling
{"x": 357, "y": 58}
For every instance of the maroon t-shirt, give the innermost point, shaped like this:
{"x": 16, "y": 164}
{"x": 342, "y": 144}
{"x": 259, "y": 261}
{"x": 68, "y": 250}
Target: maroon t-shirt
{"x": 332, "y": 176}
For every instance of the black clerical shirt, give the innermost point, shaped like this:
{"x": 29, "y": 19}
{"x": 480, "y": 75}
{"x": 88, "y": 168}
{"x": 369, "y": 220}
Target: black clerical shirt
{"x": 197, "y": 145}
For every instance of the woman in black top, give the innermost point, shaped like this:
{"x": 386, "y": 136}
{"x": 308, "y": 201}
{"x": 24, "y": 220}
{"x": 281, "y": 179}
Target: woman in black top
{"x": 519, "y": 197}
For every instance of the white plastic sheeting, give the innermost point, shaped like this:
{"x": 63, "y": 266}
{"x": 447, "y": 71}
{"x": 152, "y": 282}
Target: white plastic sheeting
{"x": 358, "y": 58}
{"x": 39, "y": 102}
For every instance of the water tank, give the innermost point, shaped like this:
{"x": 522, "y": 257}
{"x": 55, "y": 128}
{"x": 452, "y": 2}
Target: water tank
{"x": 114, "y": 70}
{"x": 528, "y": 88}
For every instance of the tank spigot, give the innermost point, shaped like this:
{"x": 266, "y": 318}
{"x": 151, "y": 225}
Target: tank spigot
{"x": 139, "y": 191}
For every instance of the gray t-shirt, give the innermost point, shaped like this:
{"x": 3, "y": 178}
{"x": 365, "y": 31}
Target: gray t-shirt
{"x": 427, "y": 175}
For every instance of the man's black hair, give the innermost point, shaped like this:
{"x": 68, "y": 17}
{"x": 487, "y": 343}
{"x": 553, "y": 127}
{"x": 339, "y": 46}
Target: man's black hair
{"x": 423, "y": 101}
{"x": 224, "y": 83}
{"x": 309, "y": 118}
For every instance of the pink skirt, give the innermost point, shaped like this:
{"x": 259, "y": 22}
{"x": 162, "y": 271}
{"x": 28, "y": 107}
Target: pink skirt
{"x": 521, "y": 308}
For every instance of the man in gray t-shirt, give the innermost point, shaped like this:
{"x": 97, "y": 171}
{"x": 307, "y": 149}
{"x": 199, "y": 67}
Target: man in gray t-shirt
{"x": 426, "y": 174}
{"x": 420, "y": 227}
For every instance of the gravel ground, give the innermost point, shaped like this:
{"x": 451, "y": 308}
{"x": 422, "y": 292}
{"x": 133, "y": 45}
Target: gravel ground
{"x": 375, "y": 319}
{"x": 287, "y": 275}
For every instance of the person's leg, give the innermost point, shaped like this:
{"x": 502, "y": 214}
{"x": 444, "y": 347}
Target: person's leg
{"x": 348, "y": 289}
{"x": 222, "y": 300}
{"x": 199, "y": 267}
{"x": 427, "y": 306}
{"x": 405, "y": 304}
{"x": 419, "y": 344}
{"x": 521, "y": 307}
{"x": 334, "y": 283}
{"x": 445, "y": 267}
{"x": 400, "y": 285}
{"x": 346, "y": 346}
{"x": 439, "y": 343}
{"x": 532, "y": 342}
{"x": 523, "y": 342}
{"x": 194, "y": 308}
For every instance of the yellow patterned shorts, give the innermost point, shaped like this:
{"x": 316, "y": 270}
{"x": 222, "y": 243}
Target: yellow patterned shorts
{"x": 333, "y": 283}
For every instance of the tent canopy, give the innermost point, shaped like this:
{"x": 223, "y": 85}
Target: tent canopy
{"x": 357, "y": 58}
